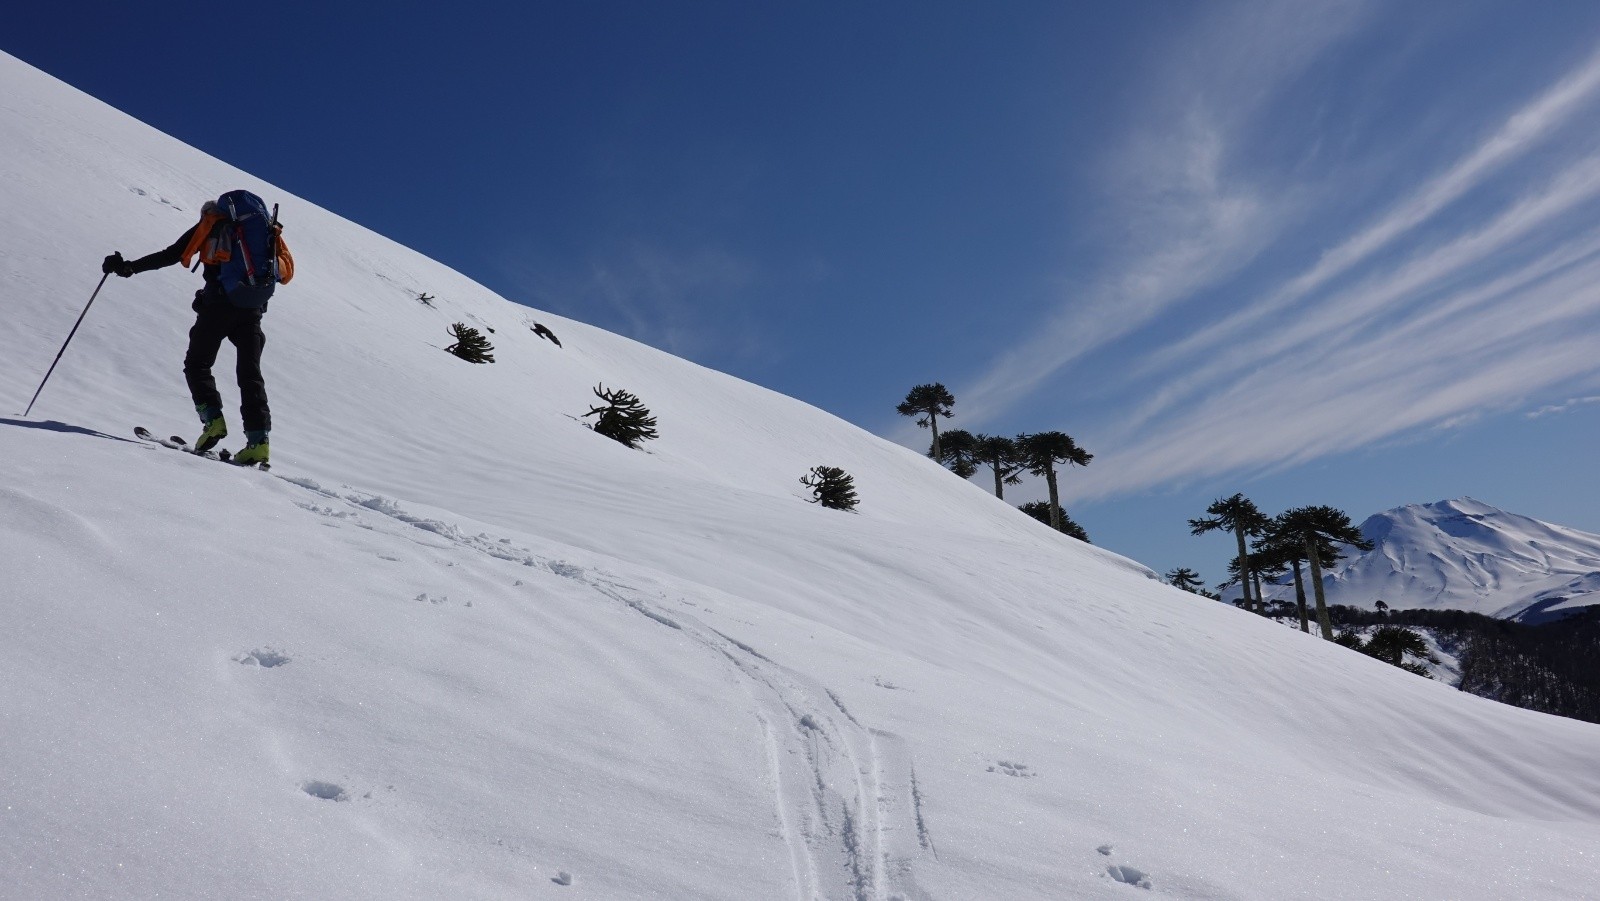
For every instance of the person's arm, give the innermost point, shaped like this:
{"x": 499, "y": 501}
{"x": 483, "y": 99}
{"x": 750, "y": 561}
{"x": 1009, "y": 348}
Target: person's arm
{"x": 158, "y": 260}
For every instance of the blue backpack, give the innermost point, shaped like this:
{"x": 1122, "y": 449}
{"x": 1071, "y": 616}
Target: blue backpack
{"x": 250, "y": 271}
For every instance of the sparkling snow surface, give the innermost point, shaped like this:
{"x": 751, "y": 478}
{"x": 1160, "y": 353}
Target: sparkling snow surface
{"x": 458, "y": 646}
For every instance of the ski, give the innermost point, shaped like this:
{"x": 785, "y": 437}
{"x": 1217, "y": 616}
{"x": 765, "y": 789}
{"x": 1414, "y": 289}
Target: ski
{"x": 174, "y": 442}
{"x": 178, "y": 444}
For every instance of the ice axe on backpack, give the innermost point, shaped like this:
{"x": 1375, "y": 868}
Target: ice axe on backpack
{"x": 68, "y": 341}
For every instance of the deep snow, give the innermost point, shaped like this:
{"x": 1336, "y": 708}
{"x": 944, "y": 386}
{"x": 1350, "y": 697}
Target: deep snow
{"x": 457, "y": 645}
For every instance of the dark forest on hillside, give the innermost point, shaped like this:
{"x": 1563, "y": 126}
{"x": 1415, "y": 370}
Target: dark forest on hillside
{"x": 1551, "y": 668}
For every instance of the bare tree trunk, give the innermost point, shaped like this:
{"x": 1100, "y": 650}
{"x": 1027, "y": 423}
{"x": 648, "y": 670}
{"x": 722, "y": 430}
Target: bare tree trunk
{"x": 1316, "y": 587}
{"x": 1300, "y": 599}
{"x": 1261, "y": 599}
{"x": 1055, "y": 499}
{"x": 999, "y": 486}
{"x": 933, "y": 423}
{"x": 1244, "y": 567}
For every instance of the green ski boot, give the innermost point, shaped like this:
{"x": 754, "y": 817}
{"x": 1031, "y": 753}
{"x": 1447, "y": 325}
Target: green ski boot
{"x": 255, "y": 451}
{"x": 215, "y": 430}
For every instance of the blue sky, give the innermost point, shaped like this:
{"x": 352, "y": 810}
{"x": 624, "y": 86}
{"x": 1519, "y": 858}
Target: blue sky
{"x": 1318, "y": 252}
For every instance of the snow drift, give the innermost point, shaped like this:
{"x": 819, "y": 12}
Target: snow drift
{"x": 457, "y": 645}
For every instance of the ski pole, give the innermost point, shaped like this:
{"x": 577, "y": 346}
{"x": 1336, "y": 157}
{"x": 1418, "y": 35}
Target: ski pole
{"x": 68, "y": 341}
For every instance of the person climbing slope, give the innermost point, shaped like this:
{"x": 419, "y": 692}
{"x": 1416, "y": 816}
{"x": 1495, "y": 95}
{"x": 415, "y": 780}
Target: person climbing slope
{"x": 243, "y": 257}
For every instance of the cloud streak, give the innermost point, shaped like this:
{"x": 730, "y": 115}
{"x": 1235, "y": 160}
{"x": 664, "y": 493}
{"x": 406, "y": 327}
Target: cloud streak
{"x": 1472, "y": 294}
{"x": 1427, "y": 371}
{"x": 1378, "y": 296}
{"x": 1193, "y": 222}
{"x": 1568, "y": 405}
{"x": 1521, "y": 132}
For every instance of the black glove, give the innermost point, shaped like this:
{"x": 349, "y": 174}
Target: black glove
{"x": 115, "y": 263}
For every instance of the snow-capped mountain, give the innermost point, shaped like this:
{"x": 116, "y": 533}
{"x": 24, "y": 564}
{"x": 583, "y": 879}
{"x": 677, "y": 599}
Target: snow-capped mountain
{"x": 1464, "y": 554}
{"x": 456, "y": 645}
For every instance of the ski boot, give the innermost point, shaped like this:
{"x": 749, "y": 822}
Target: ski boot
{"x": 255, "y": 451}
{"x": 216, "y": 429}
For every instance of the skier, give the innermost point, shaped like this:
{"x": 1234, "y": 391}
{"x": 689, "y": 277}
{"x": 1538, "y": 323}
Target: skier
{"x": 238, "y": 281}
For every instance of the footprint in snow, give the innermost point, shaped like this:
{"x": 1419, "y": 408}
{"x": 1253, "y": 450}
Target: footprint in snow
{"x": 1128, "y": 876}
{"x": 326, "y": 791}
{"x": 1017, "y": 770}
{"x": 564, "y": 569}
{"x": 562, "y": 878}
{"x": 438, "y": 601}
{"x": 325, "y": 510}
{"x": 158, "y": 198}
{"x": 263, "y": 657}
{"x": 1105, "y": 849}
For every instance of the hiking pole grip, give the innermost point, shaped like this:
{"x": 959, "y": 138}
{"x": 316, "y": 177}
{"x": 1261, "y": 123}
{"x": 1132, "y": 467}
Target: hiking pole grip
{"x": 68, "y": 341}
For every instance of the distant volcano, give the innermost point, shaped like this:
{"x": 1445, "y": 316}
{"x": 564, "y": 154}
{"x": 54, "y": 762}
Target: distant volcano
{"x": 1464, "y": 554}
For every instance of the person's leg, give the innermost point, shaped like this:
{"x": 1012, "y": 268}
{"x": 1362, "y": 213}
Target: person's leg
{"x": 210, "y": 327}
{"x": 248, "y": 339}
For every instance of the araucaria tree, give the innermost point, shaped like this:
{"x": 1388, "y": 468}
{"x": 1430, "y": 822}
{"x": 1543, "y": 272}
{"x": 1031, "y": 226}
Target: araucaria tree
{"x": 999, "y": 453}
{"x": 929, "y": 402}
{"x": 1318, "y": 527}
{"x": 1393, "y": 644}
{"x": 623, "y": 418}
{"x": 1239, "y": 515}
{"x": 831, "y": 487}
{"x": 1041, "y": 511}
{"x": 1185, "y": 579}
{"x": 1284, "y": 549}
{"x": 1258, "y": 564}
{"x": 1274, "y": 558}
{"x": 1041, "y": 453}
{"x": 958, "y": 449}
{"x": 470, "y": 345}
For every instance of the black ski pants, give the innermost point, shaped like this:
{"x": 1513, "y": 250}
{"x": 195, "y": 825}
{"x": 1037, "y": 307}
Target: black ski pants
{"x": 219, "y": 319}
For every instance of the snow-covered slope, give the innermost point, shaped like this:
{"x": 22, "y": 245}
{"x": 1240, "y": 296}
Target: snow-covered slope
{"x": 458, "y": 646}
{"x": 1464, "y": 554}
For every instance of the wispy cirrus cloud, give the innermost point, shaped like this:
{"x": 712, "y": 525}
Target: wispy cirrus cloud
{"x": 1519, "y": 133}
{"x": 1522, "y": 131}
{"x": 1379, "y": 296}
{"x": 1469, "y": 294}
{"x": 1184, "y": 218}
{"x": 1565, "y": 406}
{"x": 1428, "y": 370}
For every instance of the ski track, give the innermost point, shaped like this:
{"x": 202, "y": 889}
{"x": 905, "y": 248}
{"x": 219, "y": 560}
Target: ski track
{"x": 845, "y": 796}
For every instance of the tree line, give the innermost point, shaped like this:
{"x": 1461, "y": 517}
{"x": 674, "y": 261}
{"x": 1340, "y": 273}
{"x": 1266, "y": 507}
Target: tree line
{"x": 1295, "y": 544}
{"x": 1276, "y": 548}
{"x": 1548, "y": 667}
{"x": 1006, "y": 457}
{"x": 1540, "y": 668}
